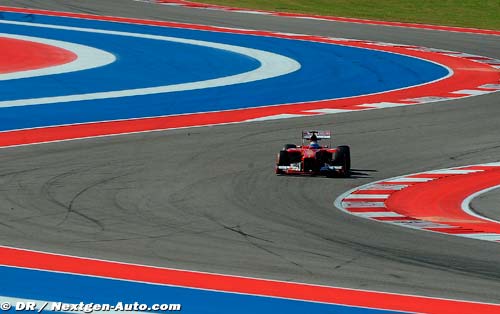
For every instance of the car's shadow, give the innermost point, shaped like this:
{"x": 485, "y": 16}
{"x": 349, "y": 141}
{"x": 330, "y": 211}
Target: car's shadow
{"x": 355, "y": 174}
{"x": 361, "y": 173}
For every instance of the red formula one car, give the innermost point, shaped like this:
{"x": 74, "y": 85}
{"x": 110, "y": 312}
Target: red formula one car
{"x": 313, "y": 158}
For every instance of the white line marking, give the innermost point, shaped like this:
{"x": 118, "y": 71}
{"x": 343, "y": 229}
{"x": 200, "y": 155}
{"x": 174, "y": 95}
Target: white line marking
{"x": 329, "y": 110}
{"x": 251, "y": 12}
{"x": 272, "y": 65}
{"x": 367, "y": 196}
{"x": 429, "y": 99}
{"x": 381, "y": 43}
{"x": 466, "y": 204}
{"x": 481, "y": 236}
{"x": 348, "y": 204}
{"x": 343, "y": 39}
{"x": 490, "y": 86}
{"x": 378, "y": 214}
{"x": 88, "y": 58}
{"x": 461, "y": 54}
{"x": 291, "y": 34}
{"x": 491, "y": 164}
{"x": 435, "y": 50}
{"x": 382, "y": 105}
{"x": 451, "y": 171}
{"x": 473, "y": 92}
{"x": 420, "y": 224}
{"x": 277, "y": 117}
{"x": 311, "y": 18}
{"x": 389, "y": 187}
{"x": 410, "y": 180}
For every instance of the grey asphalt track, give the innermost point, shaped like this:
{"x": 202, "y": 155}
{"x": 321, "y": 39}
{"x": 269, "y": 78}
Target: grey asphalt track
{"x": 207, "y": 199}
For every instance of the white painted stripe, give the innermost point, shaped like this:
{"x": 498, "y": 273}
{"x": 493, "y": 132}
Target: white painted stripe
{"x": 207, "y": 8}
{"x": 406, "y": 179}
{"x": 491, "y": 164}
{"x": 251, "y": 12}
{"x": 488, "y": 61}
{"x": 165, "y": 3}
{"x": 236, "y": 29}
{"x": 429, "y": 99}
{"x": 329, "y": 110}
{"x": 374, "y": 196}
{"x": 490, "y": 86}
{"x": 343, "y": 39}
{"x": 481, "y": 236}
{"x": 378, "y": 214}
{"x": 462, "y": 55}
{"x": 421, "y": 224}
{"x": 272, "y": 65}
{"x": 347, "y": 204}
{"x": 436, "y": 50}
{"x": 389, "y": 187}
{"x": 277, "y": 117}
{"x": 466, "y": 203}
{"x": 291, "y": 34}
{"x": 382, "y": 105}
{"x": 451, "y": 171}
{"x": 311, "y": 18}
{"x": 383, "y": 44}
{"x": 474, "y": 92}
{"x": 87, "y": 58}
{"x": 481, "y": 59}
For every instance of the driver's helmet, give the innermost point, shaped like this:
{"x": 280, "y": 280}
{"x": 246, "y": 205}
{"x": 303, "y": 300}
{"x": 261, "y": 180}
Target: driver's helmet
{"x": 314, "y": 142}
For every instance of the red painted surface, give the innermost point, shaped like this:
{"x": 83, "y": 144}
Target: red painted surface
{"x": 46, "y": 261}
{"x": 194, "y": 4}
{"x": 20, "y": 55}
{"x": 440, "y": 201}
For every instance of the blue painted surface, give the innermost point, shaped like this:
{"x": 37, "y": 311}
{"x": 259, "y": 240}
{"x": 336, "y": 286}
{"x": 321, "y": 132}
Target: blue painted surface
{"x": 328, "y": 72}
{"x": 140, "y": 63}
{"x": 67, "y": 288}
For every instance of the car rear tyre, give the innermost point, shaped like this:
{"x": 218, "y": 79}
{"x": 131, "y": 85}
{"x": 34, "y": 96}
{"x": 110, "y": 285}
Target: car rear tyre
{"x": 346, "y": 170}
{"x": 347, "y": 154}
{"x": 342, "y": 157}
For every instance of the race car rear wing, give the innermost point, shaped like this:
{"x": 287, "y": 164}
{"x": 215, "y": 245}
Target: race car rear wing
{"x": 320, "y": 135}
